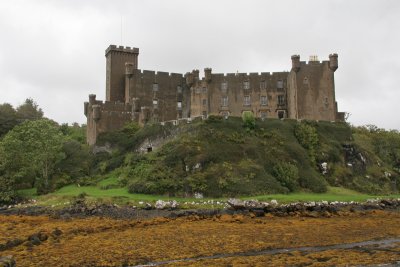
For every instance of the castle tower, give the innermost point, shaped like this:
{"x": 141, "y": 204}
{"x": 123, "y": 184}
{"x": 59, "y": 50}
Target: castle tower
{"x": 115, "y": 70}
{"x": 295, "y": 63}
{"x": 311, "y": 89}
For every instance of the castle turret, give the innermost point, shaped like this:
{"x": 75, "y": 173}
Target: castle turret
{"x": 92, "y": 99}
{"x": 296, "y": 63}
{"x": 207, "y": 74}
{"x": 116, "y": 70}
{"x": 195, "y": 75}
{"x": 333, "y": 61}
{"x": 189, "y": 78}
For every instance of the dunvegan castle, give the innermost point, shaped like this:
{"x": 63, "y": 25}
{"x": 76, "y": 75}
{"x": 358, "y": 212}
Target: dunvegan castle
{"x": 307, "y": 91}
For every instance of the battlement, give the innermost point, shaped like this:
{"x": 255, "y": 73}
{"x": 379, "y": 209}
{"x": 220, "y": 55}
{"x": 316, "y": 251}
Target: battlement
{"x": 126, "y": 49}
{"x": 156, "y": 74}
{"x": 244, "y": 75}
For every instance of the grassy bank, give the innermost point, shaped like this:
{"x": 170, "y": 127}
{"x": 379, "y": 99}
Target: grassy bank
{"x": 122, "y": 196}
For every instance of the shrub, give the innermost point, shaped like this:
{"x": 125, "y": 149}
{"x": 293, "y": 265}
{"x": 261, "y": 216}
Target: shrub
{"x": 249, "y": 120}
{"x": 307, "y": 136}
{"x": 7, "y": 192}
{"x": 287, "y": 174}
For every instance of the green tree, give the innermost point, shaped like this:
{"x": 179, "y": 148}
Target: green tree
{"x": 29, "y": 110}
{"x": 33, "y": 147}
{"x": 8, "y": 118}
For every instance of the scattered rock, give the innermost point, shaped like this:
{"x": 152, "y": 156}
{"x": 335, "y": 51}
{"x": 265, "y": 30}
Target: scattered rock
{"x": 7, "y": 261}
{"x": 236, "y": 204}
{"x": 161, "y": 205}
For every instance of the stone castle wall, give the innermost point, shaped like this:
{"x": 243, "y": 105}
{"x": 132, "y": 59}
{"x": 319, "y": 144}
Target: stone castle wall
{"x": 306, "y": 92}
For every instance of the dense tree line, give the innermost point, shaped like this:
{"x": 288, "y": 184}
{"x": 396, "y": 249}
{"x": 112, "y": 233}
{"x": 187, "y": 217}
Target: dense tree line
{"x": 38, "y": 152}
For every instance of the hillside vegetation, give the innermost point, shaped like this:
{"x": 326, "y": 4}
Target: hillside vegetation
{"x": 230, "y": 157}
{"x": 216, "y": 157}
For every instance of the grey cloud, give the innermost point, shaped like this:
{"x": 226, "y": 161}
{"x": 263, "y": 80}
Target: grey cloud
{"x": 53, "y": 51}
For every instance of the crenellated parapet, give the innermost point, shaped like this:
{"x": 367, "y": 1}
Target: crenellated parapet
{"x": 122, "y": 49}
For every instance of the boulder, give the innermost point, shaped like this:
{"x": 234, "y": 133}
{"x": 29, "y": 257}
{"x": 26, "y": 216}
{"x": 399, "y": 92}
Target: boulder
{"x": 7, "y": 261}
{"x": 172, "y": 204}
{"x": 236, "y": 204}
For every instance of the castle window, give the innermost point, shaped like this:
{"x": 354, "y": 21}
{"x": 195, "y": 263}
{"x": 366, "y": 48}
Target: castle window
{"x": 224, "y": 101}
{"x": 155, "y": 87}
{"x": 263, "y": 115}
{"x": 197, "y": 90}
{"x": 263, "y": 100}
{"x": 155, "y": 103}
{"x": 279, "y": 84}
{"x": 179, "y": 89}
{"x": 246, "y": 100}
{"x": 224, "y": 87}
{"x": 281, "y": 100}
{"x": 281, "y": 114}
{"x": 263, "y": 85}
{"x": 204, "y": 90}
{"x": 204, "y": 102}
{"x": 246, "y": 85}
{"x": 179, "y": 105}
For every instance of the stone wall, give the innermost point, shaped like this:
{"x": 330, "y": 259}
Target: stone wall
{"x": 224, "y": 94}
{"x": 306, "y": 92}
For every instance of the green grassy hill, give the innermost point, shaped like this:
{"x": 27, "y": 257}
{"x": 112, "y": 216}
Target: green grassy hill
{"x": 221, "y": 158}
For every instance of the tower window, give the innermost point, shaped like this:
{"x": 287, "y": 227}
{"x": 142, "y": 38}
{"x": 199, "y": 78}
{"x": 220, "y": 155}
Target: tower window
{"x": 204, "y": 102}
{"x": 263, "y": 100}
{"x": 224, "y": 87}
{"x": 263, "y": 85}
{"x": 246, "y": 85}
{"x": 224, "y": 101}
{"x": 281, "y": 100}
{"x": 246, "y": 100}
{"x": 204, "y": 90}
{"x": 197, "y": 90}
{"x": 279, "y": 84}
{"x": 155, "y": 87}
{"x": 179, "y": 105}
{"x": 179, "y": 89}
{"x": 155, "y": 103}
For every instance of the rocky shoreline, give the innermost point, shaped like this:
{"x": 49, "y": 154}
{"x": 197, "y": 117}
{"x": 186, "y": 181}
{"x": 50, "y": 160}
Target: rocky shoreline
{"x": 252, "y": 208}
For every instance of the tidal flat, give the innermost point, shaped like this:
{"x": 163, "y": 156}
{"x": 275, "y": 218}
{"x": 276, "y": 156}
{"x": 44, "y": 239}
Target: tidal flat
{"x": 372, "y": 237}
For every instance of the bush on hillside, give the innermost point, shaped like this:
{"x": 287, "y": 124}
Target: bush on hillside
{"x": 288, "y": 175}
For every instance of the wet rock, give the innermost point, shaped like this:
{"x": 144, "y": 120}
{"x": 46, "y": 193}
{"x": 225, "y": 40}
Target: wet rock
{"x": 274, "y": 202}
{"x": 160, "y": 204}
{"x": 258, "y": 212}
{"x": 56, "y": 233}
{"x": 7, "y": 261}
{"x": 236, "y": 204}
{"x": 34, "y": 240}
{"x": 148, "y": 206}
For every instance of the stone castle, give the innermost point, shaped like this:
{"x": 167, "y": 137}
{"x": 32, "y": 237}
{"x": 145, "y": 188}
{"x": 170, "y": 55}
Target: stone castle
{"x": 307, "y": 91}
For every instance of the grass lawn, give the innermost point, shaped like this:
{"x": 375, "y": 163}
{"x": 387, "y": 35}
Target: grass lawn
{"x": 122, "y": 196}
{"x": 333, "y": 194}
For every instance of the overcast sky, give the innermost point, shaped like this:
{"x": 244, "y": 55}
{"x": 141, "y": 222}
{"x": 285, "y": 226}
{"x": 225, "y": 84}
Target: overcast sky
{"x": 53, "y": 51}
